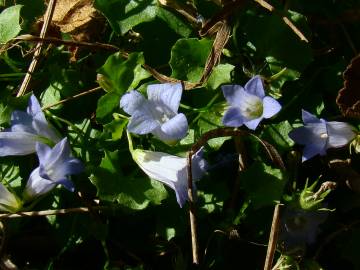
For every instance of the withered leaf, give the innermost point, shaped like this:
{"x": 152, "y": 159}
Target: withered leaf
{"x": 70, "y": 15}
{"x": 348, "y": 98}
{"x": 345, "y": 173}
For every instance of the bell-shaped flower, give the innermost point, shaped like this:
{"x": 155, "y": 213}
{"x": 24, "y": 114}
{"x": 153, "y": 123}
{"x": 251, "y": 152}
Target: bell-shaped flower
{"x": 248, "y": 105}
{"x": 158, "y": 114}
{"x": 8, "y": 201}
{"x": 170, "y": 170}
{"x": 27, "y": 128}
{"x": 55, "y": 165}
{"x": 318, "y": 135}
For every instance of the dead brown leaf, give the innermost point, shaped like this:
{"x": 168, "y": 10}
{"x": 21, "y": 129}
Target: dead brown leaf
{"x": 348, "y": 98}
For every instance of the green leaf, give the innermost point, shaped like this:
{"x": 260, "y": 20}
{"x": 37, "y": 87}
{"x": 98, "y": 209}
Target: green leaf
{"x": 263, "y": 184}
{"x": 10, "y": 173}
{"x": 116, "y": 128}
{"x": 279, "y": 74}
{"x": 9, "y": 23}
{"x": 188, "y": 58}
{"x": 106, "y": 105}
{"x": 123, "y": 15}
{"x": 50, "y": 96}
{"x": 210, "y": 120}
{"x": 130, "y": 192}
{"x": 272, "y": 37}
{"x": 277, "y": 134}
{"x": 9, "y": 103}
{"x": 119, "y": 74}
{"x": 221, "y": 74}
{"x": 174, "y": 22}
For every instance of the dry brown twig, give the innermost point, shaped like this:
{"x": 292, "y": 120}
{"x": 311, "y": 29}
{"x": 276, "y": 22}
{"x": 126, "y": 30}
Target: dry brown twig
{"x": 51, "y": 212}
{"x": 287, "y": 21}
{"x": 72, "y": 97}
{"x": 216, "y": 133}
{"x": 49, "y": 13}
{"x": 275, "y": 228}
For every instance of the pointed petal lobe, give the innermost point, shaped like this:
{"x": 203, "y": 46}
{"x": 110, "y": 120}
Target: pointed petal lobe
{"x": 233, "y": 117}
{"x": 255, "y": 87}
{"x": 270, "y": 107}
{"x": 132, "y": 102}
{"x": 168, "y": 94}
{"x": 233, "y": 94}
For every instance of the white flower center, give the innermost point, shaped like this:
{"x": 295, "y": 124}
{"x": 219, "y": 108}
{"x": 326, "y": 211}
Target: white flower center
{"x": 324, "y": 135}
{"x": 161, "y": 113}
{"x": 251, "y": 107}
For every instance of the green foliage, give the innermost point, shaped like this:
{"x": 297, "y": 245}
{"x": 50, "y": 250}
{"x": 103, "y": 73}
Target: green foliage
{"x": 9, "y": 23}
{"x": 117, "y": 76}
{"x": 133, "y": 222}
{"x": 130, "y": 192}
{"x": 188, "y": 57}
{"x": 263, "y": 184}
{"x": 124, "y": 15}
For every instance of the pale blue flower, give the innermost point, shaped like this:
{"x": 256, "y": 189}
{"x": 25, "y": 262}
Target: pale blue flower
{"x": 9, "y": 202}
{"x": 248, "y": 105}
{"x": 157, "y": 114}
{"x": 55, "y": 165}
{"x": 318, "y": 135}
{"x": 27, "y": 128}
{"x": 170, "y": 170}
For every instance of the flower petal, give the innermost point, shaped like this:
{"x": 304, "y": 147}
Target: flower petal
{"x": 50, "y": 157}
{"x": 270, "y": 107}
{"x": 252, "y": 124}
{"x": 66, "y": 183}
{"x": 198, "y": 165}
{"x": 310, "y": 134}
{"x": 168, "y": 94}
{"x": 21, "y": 122}
{"x": 170, "y": 170}
{"x": 174, "y": 129}
{"x": 309, "y": 118}
{"x": 339, "y": 134}
{"x": 312, "y": 150}
{"x": 71, "y": 166}
{"x": 141, "y": 123}
{"x": 34, "y": 109}
{"x": 17, "y": 143}
{"x": 132, "y": 102}
{"x": 160, "y": 166}
{"x": 233, "y": 117}
{"x": 233, "y": 94}
{"x": 44, "y": 129}
{"x": 255, "y": 87}
{"x": 37, "y": 185}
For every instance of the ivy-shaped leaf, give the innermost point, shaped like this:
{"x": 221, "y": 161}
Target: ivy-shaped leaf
{"x": 130, "y": 192}
{"x": 9, "y": 23}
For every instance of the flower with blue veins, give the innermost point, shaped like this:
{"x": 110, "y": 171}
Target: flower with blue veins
{"x": 158, "y": 114}
{"x": 9, "y": 202}
{"x": 170, "y": 170}
{"x": 318, "y": 135}
{"x": 248, "y": 105}
{"x": 27, "y": 128}
{"x": 55, "y": 165}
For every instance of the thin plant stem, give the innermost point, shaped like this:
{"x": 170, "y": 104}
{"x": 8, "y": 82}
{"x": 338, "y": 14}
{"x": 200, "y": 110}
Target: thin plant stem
{"x": 75, "y": 128}
{"x": 51, "y": 40}
{"x": 51, "y": 212}
{"x": 47, "y": 19}
{"x": 274, "y": 233}
{"x": 72, "y": 97}
{"x": 241, "y": 150}
{"x": 192, "y": 212}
